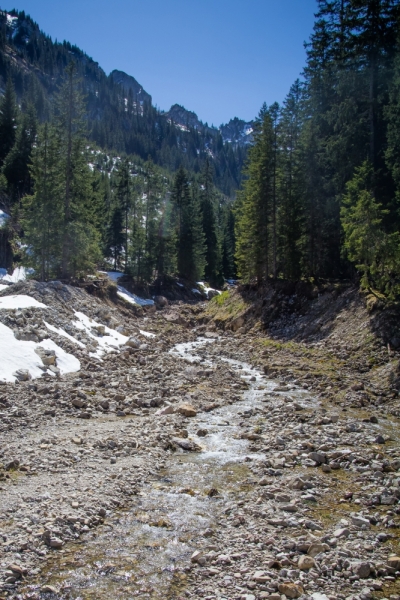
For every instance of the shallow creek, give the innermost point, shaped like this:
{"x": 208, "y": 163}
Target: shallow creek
{"x": 141, "y": 552}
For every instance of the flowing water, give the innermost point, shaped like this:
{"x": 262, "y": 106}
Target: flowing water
{"x": 142, "y": 552}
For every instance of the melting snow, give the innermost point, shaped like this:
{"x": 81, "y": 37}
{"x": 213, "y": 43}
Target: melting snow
{"x": 19, "y": 274}
{"x": 109, "y": 342}
{"x": 206, "y": 289}
{"x": 64, "y": 334}
{"x": 132, "y": 298}
{"x": 16, "y": 354}
{"x": 10, "y": 302}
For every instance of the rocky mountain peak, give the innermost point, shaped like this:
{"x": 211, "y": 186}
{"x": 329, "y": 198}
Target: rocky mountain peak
{"x": 129, "y": 83}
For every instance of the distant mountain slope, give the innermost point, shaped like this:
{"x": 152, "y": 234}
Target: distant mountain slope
{"x": 130, "y": 84}
{"x": 237, "y": 132}
{"x": 119, "y": 111}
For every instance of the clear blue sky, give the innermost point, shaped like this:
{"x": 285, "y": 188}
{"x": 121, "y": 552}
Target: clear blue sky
{"x": 219, "y": 58}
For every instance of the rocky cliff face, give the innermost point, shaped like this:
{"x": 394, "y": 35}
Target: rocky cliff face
{"x": 129, "y": 83}
{"x": 237, "y": 132}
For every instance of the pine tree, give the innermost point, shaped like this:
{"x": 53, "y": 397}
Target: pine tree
{"x": 254, "y": 205}
{"x": 124, "y": 196}
{"x": 188, "y": 226}
{"x": 376, "y": 254}
{"x": 80, "y": 241}
{"x": 17, "y": 161}
{"x": 208, "y": 202}
{"x": 42, "y": 212}
{"x": 8, "y": 120}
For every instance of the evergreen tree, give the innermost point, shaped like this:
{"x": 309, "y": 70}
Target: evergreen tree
{"x": 8, "y": 120}
{"x": 17, "y": 161}
{"x": 254, "y": 204}
{"x": 189, "y": 233}
{"x": 208, "y": 203}
{"x": 42, "y": 212}
{"x": 80, "y": 247}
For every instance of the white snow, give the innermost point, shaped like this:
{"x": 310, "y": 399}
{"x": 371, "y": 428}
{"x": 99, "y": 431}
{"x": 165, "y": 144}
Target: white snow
{"x": 64, "y": 334}
{"x": 109, "y": 342}
{"x": 19, "y": 274}
{"x": 132, "y": 298}
{"x": 196, "y": 291}
{"x": 16, "y": 354}
{"x": 206, "y": 289}
{"x": 3, "y": 287}
{"x": 10, "y": 302}
{"x": 123, "y": 293}
{"x": 3, "y": 218}
{"x": 147, "y": 334}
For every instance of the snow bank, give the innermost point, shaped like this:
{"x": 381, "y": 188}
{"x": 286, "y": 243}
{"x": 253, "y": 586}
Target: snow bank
{"x": 19, "y": 274}
{"x": 206, "y": 289}
{"x": 132, "y": 298}
{"x": 123, "y": 293}
{"x": 3, "y": 287}
{"x": 64, "y": 334}
{"x": 109, "y": 342}
{"x": 15, "y": 302}
{"x": 16, "y": 354}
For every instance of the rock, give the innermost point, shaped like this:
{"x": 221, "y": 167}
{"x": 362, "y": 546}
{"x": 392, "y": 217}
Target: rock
{"x": 22, "y": 375}
{"x": 379, "y": 440}
{"x": 342, "y": 532}
{"x": 313, "y": 526}
{"x": 359, "y": 521}
{"x": 17, "y": 569}
{"x": 318, "y": 457}
{"x": 166, "y": 410}
{"x": 56, "y": 543}
{"x": 394, "y": 562}
{"x": 305, "y": 563}
{"x": 48, "y": 357}
{"x": 362, "y": 569}
{"x": 291, "y": 590}
{"x": 316, "y": 548}
{"x": 132, "y": 342}
{"x": 186, "y": 444}
{"x": 202, "y": 432}
{"x": 198, "y": 554}
{"x": 187, "y": 410}
{"x": 79, "y": 403}
{"x": 48, "y": 589}
{"x": 161, "y": 301}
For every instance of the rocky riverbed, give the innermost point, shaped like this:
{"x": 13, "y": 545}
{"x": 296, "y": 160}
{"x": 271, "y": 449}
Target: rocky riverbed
{"x": 183, "y": 461}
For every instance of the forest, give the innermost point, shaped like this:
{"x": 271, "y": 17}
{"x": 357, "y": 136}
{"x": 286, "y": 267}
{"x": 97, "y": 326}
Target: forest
{"x": 90, "y": 178}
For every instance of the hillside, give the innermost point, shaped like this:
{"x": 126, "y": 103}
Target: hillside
{"x": 120, "y": 115}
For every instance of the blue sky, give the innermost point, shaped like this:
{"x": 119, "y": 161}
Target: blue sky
{"x": 219, "y": 58}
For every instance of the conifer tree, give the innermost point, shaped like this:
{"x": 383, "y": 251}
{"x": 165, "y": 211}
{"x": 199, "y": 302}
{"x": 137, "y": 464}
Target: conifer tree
{"x": 8, "y": 120}
{"x": 208, "y": 203}
{"x": 42, "y": 212}
{"x": 189, "y": 233}
{"x": 254, "y": 205}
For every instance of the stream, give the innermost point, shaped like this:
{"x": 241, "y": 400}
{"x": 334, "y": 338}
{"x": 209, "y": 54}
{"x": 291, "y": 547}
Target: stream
{"x": 142, "y": 552}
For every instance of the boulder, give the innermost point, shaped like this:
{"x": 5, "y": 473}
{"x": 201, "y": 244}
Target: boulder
{"x": 187, "y": 410}
{"x": 291, "y": 590}
{"x": 305, "y": 563}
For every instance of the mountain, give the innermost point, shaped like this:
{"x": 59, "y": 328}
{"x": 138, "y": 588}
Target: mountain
{"x": 120, "y": 116}
{"x": 129, "y": 83}
{"x": 237, "y": 132}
